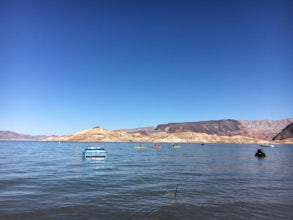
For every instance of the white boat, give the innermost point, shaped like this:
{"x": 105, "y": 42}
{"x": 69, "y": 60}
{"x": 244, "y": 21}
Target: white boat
{"x": 94, "y": 152}
{"x": 267, "y": 145}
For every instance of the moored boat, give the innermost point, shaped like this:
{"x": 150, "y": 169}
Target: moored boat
{"x": 94, "y": 152}
{"x": 267, "y": 145}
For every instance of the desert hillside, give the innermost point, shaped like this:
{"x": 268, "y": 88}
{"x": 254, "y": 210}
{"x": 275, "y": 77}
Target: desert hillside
{"x": 215, "y": 131}
{"x": 285, "y": 134}
{"x": 103, "y": 135}
{"x": 222, "y": 131}
{"x": 257, "y": 129}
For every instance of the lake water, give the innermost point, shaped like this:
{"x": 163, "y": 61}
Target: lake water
{"x": 48, "y": 180}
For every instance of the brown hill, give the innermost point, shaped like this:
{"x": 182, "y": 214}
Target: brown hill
{"x": 286, "y": 133}
{"x": 102, "y": 135}
{"x": 259, "y": 129}
{"x": 265, "y": 129}
{"x": 216, "y": 131}
{"x": 227, "y": 127}
{"x": 96, "y": 134}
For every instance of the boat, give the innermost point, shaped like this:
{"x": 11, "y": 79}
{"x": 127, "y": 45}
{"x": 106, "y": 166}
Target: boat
{"x": 176, "y": 146}
{"x": 94, "y": 152}
{"x": 267, "y": 145}
{"x": 157, "y": 146}
{"x": 139, "y": 147}
{"x": 260, "y": 153}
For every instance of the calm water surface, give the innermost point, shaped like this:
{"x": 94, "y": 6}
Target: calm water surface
{"x": 48, "y": 180}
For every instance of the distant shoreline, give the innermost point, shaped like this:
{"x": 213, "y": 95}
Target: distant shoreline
{"x": 134, "y": 142}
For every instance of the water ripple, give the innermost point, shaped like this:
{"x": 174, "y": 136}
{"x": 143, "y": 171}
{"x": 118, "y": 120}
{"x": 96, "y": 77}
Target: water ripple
{"x": 41, "y": 180}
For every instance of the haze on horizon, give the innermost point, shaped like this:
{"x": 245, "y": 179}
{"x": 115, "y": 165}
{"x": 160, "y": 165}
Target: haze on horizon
{"x": 68, "y": 65}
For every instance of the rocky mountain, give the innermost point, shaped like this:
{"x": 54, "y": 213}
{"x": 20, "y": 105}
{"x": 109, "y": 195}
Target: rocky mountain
{"x": 8, "y": 135}
{"x": 227, "y": 127}
{"x": 102, "y": 135}
{"x": 96, "y": 134}
{"x": 265, "y": 129}
{"x": 259, "y": 129}
{"x": 286, "y": 133}
{"x": 215, "y": 131}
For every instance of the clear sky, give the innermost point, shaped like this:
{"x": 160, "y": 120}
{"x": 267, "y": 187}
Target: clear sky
{"x": 68, "y": 65}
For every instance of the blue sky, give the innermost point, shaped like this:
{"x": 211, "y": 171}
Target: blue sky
{"x": 67, "y": 66}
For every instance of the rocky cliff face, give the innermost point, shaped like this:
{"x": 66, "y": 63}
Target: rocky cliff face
{"x": 259, "y": 129}
{"x": 220, "y": 127}
{"x": 264, "y": 129}
{"x": 286, "y": 133}
{"x": 266, "y": 125}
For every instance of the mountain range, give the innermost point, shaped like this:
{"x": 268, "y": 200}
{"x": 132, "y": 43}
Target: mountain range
{"x": 259, "y": 129}
{"x": 213, "y": 131}
{"x": 9, "y": 135}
